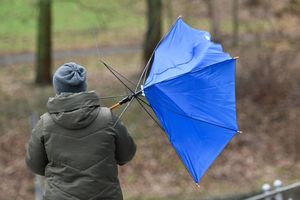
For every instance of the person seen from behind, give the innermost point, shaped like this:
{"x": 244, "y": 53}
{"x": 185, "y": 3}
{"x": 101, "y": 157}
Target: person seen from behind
{"x": 77, "y": 145}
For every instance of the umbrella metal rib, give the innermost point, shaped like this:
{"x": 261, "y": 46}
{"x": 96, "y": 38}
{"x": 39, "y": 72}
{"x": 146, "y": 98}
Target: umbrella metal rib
{"x": 135, "y": 94}
{"x": 108, "y": 67}
{"x": 112, "y": 97}
{"x": 138, "y": 100}
{"x": 119, "y": 117}
{"x": 121, "y": 75}
{"x": 143, "y": 101}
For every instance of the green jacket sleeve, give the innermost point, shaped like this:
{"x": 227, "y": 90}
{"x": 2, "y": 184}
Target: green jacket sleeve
{"x": 125, "y": 146}
{"x": 36, "y": 157}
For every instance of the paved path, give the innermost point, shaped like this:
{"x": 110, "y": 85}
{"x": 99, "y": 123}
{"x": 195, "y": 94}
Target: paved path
{"x": 27, "y": 58}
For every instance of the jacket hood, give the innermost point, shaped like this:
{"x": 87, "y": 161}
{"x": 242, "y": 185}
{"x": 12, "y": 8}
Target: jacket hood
{"x": 74, "y": 110}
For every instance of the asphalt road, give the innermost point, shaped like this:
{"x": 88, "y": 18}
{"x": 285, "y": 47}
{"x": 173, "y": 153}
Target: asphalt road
{"x": 28, "y": 58}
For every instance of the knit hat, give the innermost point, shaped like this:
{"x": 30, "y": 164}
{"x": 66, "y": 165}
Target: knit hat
{"x": 70, "y": 77}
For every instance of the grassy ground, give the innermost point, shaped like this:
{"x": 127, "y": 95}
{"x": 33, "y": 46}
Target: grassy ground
{"x": 83, "y": 24}
{"x": 251, "y": 159}
{"x": 109, "y": 22}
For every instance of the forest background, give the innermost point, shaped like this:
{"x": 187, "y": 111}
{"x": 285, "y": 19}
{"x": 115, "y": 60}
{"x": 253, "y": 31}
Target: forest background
{"x": 264, "y": 34}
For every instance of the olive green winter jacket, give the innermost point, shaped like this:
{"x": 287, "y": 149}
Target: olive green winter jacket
{"x": 76, "y": 146}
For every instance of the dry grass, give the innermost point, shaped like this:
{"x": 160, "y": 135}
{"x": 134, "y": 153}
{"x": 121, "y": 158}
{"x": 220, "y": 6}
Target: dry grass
{"x": 267, "y": 149}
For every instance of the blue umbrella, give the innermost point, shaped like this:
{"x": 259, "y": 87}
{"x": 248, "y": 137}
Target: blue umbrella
{"x": 191, "y": 88}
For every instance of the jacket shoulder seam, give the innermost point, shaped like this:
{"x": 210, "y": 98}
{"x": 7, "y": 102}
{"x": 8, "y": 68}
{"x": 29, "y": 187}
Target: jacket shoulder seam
{"x": 107, "y": 112}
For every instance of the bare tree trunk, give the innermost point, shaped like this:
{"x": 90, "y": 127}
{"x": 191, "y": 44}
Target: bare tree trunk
{"x": 154, "y": 27}
{"x": 44, "y": 46}
{"x": 214, "y": 20}
{"x": 170, "y": 12}
{"x": 235, "y": 23}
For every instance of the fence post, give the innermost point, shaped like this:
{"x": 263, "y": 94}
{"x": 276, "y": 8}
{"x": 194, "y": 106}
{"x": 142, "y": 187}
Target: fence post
{"x": 38, "y": 188}
{"x": 277, "y": 185}
{"x": 266, "y": 190}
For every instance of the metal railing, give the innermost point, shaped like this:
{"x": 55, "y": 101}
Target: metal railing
{"x": 290, "y": 192}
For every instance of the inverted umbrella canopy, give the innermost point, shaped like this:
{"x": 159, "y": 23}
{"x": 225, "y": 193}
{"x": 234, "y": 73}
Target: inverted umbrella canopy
{"x": 191, "y": 88}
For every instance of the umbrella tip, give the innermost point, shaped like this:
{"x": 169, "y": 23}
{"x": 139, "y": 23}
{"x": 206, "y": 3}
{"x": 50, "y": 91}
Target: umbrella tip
{"x": 179, "y": 17}
{"x": 198, "y": 185}
{"x": 236, "y": 57}
{"x": 240, "y": 132}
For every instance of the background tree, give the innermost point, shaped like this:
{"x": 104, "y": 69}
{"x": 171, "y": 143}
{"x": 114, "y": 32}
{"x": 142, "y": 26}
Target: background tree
{"x": 235, "y": 23}
{"x": 154, "y": 27}
{"x": 44, "y": 46}
{"x": 214, "y": 15}
{"x": 170, "y": 12}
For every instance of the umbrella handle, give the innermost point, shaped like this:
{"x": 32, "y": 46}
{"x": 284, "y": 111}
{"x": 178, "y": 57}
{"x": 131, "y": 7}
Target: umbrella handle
{"x": 114, "y": 106}
{"x": 126, "y": 99}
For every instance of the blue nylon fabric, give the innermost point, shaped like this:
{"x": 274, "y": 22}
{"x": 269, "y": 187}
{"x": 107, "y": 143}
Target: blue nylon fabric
{"x": 193, "y": 97}
{"x": 183, "y": 49}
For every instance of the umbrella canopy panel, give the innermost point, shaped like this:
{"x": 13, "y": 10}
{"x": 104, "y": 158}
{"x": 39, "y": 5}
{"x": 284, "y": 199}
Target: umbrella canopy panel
{"x": 193, "y": 96}
{"x": 197, "y": 111}
{"x": 183, "y": 49}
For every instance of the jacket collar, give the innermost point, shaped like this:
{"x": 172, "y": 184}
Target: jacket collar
{"x": 67, "y": 102}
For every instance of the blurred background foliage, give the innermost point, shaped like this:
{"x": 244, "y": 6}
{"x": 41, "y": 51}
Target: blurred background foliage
{"x": 265, "y": 35}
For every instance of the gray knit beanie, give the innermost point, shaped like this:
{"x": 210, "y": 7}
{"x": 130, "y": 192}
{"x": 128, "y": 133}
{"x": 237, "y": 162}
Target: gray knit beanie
{"x": 70, "y": 77}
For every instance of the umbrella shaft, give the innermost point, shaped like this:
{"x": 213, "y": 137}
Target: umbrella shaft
{"x": 126, "y": 99}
